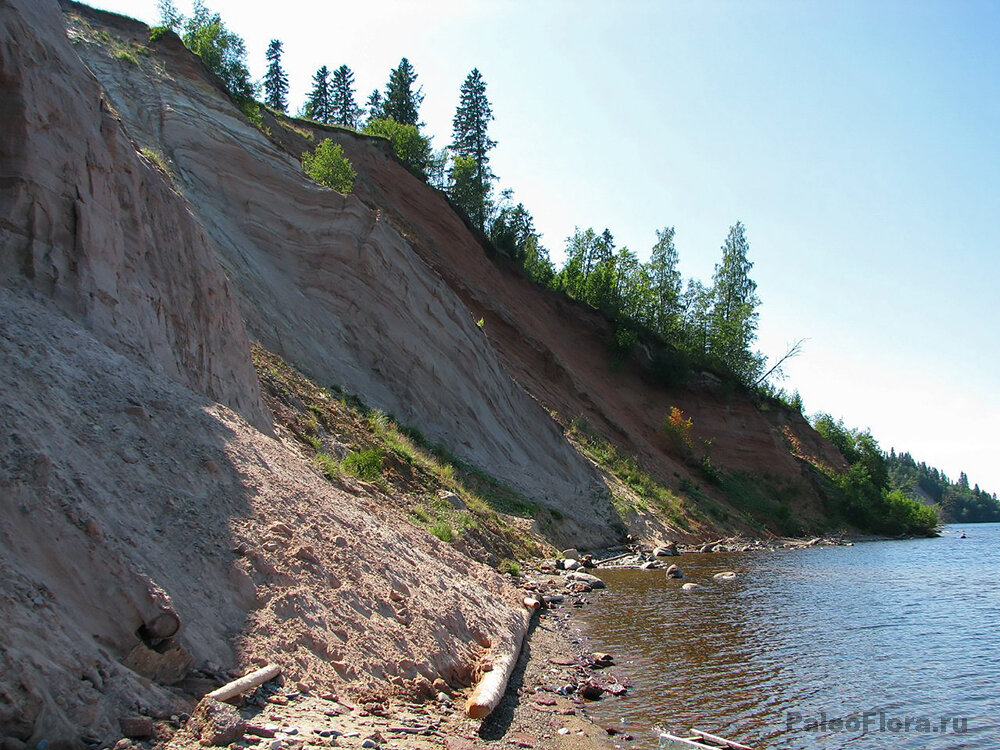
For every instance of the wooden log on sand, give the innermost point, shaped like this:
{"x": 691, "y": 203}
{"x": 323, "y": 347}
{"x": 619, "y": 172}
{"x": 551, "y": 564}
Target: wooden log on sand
{"x": 493, "y": 684}
{"x": 244, "y": 683}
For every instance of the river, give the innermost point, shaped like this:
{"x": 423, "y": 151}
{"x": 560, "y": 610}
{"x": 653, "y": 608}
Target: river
{"x": 892, "y": 644}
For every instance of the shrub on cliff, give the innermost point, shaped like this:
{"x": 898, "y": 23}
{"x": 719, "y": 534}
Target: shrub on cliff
{"x": 412, "y": 148}
{"x": 328, "y": 166}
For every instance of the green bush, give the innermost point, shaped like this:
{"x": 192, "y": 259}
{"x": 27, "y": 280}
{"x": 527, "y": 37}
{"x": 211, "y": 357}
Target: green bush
{"x": 510, "y": 567}
{"x": 328, "y": 166}
{"x": 365, "y": 465}
{"x": 412, "y": 148}
{"x": 126, "y": 54}
{"x": 222, "y": 51}
{"x": 326, "y": 463}
{"x": 442, "y": 530}
{"x": 903, "y": 514}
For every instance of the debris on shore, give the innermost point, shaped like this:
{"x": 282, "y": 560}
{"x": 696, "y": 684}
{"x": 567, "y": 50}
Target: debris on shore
{"x": 656, "y": 556}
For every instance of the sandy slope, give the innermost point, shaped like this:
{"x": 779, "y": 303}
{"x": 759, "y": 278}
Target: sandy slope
{"x": 322, "y": 281}
{"x": 126, "y": 494}
{"x": 130, "y": 490}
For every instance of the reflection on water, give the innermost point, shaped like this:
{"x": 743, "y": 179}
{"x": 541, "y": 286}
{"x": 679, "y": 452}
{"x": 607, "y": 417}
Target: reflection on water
{"x": 872, "y": 635}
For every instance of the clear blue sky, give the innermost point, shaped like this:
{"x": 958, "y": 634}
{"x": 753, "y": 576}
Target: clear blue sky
{"x": 857, "y": 141}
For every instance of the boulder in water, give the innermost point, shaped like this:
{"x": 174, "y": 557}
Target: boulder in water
{"x": 592, "y": 581}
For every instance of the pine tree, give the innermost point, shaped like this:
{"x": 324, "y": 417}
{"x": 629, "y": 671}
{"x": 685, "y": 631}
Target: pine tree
{"x": 375, "y": 106}
{"x": 345, "y": 110}
{"x": 402, "y": 103}
{"x": 319, "y": 105}
{"x": 470, "y": 140}
{"x": 275, "y": 80}
{"x": 734, "y": 313}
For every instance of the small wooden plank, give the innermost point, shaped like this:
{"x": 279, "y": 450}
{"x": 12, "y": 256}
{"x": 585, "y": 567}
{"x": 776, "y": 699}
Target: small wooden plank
{"x": 722, "y": 740}
{"x": 681, "y": 742}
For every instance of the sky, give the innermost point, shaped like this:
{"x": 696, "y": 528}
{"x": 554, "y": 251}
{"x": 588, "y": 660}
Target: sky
{"x": 857, "y": 141}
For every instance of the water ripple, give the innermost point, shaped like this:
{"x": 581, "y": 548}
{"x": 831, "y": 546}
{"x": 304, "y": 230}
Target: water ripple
{"x": 892, "y": 630}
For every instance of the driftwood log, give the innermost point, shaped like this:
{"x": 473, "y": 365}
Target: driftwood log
{"x": 244, "y": 683}
{"x": 493, "y": 684}
{"x": 599, "y": 563}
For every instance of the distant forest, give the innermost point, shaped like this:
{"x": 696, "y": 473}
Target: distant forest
{"x": 958, "y": 502}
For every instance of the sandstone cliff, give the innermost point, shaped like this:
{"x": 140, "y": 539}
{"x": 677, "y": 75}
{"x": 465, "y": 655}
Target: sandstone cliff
{"x": 324, "y": 281}
{"x": 143, "y": 480}
{"x": 139, "y": 484}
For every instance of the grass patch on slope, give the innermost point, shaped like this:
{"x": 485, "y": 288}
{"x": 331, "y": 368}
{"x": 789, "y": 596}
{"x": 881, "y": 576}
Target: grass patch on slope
{"x": 647, "y": 494}
{"x": 349, "y": 442}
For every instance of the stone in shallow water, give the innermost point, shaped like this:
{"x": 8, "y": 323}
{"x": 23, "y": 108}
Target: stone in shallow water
{"x": 593, "y": 581}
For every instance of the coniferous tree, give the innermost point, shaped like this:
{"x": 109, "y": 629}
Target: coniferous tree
{"x": 470, "y": 139}
{"x": 375, "y": 106}
{"x": 401, "y": 102}
{"x": 734, "y": 315}
{"x": 275, "y": 80}
{"x": 345, "y": 110}
{"x": 319, "y": 105}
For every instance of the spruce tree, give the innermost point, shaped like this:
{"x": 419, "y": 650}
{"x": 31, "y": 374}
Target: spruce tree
{"x": 375, "y": 106}
{"x": 402, "y": 103}
{"x": 319, "y": 105}
{"x": 470, "y": 139}
{"x": 345, "y": 110}
{"x": 275, "y": 80}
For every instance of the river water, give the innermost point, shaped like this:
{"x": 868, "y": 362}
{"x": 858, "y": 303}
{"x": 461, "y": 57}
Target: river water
{"x": 873, "y": 635}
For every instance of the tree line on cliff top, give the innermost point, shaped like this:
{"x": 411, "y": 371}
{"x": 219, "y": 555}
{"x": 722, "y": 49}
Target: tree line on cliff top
{"x": 711, "y": 326}
{"x": 698, "y": 326}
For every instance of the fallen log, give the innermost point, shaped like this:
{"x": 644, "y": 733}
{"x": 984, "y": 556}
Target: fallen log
{"x": 244, "y": 683}
{"x": 599, "y": 563}
{"x": 493, "y": 684}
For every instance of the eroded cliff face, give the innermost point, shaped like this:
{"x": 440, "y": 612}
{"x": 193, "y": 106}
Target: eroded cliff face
{"x": 141, "y": 483}
{"x": 560, "y": 352}
{"x": 140, "y": 489}
{"x": 96, "y": 229}
{"x": 323, "y": 281}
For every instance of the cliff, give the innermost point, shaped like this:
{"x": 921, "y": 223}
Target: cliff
{"x": 148, "y": 234}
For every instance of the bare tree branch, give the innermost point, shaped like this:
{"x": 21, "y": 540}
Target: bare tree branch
{"x": 793, "y": 351}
